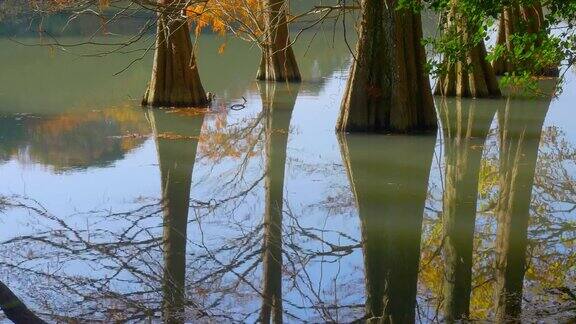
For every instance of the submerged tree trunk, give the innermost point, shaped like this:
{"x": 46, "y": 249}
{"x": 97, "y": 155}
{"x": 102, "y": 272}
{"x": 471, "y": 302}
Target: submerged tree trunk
{"x": 175, "y": 81}
{"x": 388, "y": 89}
{"x": 466, "y": 125}
{"x": 278, "y": 105}
{"x": 14, "y": 309}
{"x": 176, "y": 157}
{"x": 278, "y": 62}
{"x": 520, "y": 19}
{"x": 389, "y": 177}
{"x": 470, "y": 75}
{"x": 520, "y": 131}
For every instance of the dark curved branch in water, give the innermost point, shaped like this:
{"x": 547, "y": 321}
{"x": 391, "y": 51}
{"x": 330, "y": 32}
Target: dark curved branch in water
{"x": 14, "y": 309}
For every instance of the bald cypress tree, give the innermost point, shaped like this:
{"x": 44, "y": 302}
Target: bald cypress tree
{"x": 278, "y": 62}
{"x": 388, "y": 89}
{"x": 466, "y": 73}
{"x": 521, "y": 19}
{"x": 175, "y": 81}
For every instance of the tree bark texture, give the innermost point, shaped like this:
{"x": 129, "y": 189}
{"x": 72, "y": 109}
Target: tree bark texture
{"x": 175, "y": 81}
{"x": 470, "y": 75}
{"x": 278, "y": 61}
{"x": 176, "y": 158}
{"x": 388, "y": 89}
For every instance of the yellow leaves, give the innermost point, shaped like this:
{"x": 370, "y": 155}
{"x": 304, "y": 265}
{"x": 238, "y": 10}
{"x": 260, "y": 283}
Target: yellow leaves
{"x": 222, "y": 48}
{"x": 244, "y": 15}
{"x": 104, "y": 4}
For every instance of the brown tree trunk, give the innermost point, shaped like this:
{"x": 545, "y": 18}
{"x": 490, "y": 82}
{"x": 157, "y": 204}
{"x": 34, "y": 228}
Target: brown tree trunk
{"x": 14, "y": 309}
{"x": 520, "y": 132}
{"x": 278, "y": 106}
{"x": 469, "y": 76}
{"x": 520, "y": 19}
{"x": 388, "y": 89}
{"x": 176, "y": 158}
{"x": 278, "y": 62}
{"x": 389, "y": 177}
{"x": 175, "y": 81}
{"x": 466, "y": 125}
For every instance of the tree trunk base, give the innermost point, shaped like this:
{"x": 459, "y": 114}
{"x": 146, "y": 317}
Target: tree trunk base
{"x": 388, "y": 90}
{"x": 175, "y": 80}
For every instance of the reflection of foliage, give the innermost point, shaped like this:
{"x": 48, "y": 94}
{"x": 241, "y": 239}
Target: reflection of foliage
{"x": 74, "y": 140}
{"x": 551, "y": 237}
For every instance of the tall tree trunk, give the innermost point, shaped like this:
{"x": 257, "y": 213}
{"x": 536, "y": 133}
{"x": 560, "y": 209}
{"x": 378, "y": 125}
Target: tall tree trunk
{"x": 389, "y": 177}
{"x": 520, "y": 131}
{"x": 176, "y": 158}
{"x": 388, "y": 89}
{"x": 278, "y": 62}
{"x": 14, "y": 309}
{"x": 520, "y": 19}
{"x": 470, "y": 75}
{"x": 175, "y": 81}
{"x": 278, "y": 105}
{"x": 466, "y": 125}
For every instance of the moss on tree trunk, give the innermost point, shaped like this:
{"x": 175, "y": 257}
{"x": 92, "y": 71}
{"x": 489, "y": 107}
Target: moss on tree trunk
{"x": 388, "y": 89}
{"x": 175, "y": 81}
{"x": 518, "y": 19}
{"x": 469, "y": 75}
{"x": 278, "y": 62}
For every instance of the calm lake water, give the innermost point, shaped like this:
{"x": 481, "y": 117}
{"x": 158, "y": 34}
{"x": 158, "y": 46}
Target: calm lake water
{"x": 109, "y": 211}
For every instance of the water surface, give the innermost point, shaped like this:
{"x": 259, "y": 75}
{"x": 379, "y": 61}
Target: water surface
{"x": 113, "y": 212}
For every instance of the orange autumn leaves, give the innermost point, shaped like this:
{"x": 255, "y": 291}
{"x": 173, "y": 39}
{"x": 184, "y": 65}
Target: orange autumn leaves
{"x": 243, "y": 18}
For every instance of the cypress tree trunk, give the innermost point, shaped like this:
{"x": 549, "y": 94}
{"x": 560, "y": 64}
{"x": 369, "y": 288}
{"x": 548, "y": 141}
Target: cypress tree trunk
{"x": 466, "y": 125}
{"x": 389, "y": 177}
{"x": 470, "y": 75}
{"x": 520, "y": 132}
{"x": 388, "y": 89}
{"x": 176, "y": 158}
{"x": 520, "y": 19}
{"x": 278, "y": 105}
{"x": 175, "y": 81}
{"x": 278, "y": 62}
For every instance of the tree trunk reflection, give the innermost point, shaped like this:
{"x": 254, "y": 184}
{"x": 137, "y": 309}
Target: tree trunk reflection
{"x": 390, "y": 182}
{"x": 520, "y": 131}
{"x": 176, "y": 143}
{"x": 465, "y": 124}
{"x": 278, "y": 104}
